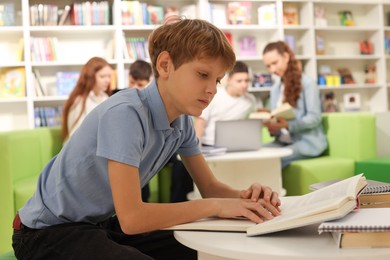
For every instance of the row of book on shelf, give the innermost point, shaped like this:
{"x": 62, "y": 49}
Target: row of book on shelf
{"x": 44, "y": 49}
{"x": 241, "y": 13}
{"x": 13, "y": 83}
{"x": 7, "y": 14}
{"x": 65, "y": 82}
{"x": 83, "y": 13}
{"x": 48, "y": 116}
{"x": 140, "y": 13}
{"x": 135, "y": 48}
{"x": 355, "y": 211}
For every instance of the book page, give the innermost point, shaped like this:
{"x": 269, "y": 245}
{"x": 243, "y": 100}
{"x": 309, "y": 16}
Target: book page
{"x": 328, "y": 197}
{"x": 328, "y": 203}
{"x": 260, "y": 115}
{"x": 285, "y": 111}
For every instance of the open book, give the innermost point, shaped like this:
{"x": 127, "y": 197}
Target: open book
{"x": 285, "y": 111}
{"x": 332, "y": 202}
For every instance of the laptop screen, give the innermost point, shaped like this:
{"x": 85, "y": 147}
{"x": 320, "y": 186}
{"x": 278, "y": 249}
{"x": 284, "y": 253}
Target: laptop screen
{"x": 238, "y": 135}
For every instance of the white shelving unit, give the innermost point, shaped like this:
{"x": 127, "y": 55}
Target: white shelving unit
{"x": 76, "y": 44}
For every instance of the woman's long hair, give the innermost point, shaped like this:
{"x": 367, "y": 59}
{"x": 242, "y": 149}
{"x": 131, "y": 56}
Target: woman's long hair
{"x": 84, "y": 85}
{"x": 292, "y": 75}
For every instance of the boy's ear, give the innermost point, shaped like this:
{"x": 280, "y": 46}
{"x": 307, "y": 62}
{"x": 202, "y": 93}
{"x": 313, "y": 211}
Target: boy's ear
{"x": 162, "y": 64}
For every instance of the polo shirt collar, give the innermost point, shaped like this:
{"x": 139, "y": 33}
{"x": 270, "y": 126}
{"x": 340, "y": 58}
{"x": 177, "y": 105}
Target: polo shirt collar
{"x": 157, "y": 109}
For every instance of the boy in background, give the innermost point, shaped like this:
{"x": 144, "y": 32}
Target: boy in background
{"x": 140, "y": 74}
{"x": 88, "y": 202}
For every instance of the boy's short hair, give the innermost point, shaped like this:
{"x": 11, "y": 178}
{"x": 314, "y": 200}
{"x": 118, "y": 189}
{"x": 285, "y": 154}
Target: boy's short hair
{"x": 239, "y": 67}
{"x": 187, "y": 40}
{"x": 140, "y": 70}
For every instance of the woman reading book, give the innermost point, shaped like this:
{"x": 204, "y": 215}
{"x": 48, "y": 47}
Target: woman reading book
{"x": 303, "y": 134}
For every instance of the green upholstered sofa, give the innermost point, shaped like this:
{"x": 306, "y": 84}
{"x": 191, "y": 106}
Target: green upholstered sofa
{"x": 351, "y": 138}
{"x": 23, "y": 154}
{"x": 377, "y": 169}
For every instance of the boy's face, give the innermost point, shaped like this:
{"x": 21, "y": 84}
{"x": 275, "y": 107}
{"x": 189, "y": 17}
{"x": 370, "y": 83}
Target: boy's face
{"x": 191, "y": 87}
{"x": 137, "y": 83}
{"x": 238, "y": 83}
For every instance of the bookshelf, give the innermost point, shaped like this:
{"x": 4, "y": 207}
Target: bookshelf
{"x": 77, "y": 43}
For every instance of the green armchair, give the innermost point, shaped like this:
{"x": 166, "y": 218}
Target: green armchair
{"x": 23, "y": 154}
{"x": 351, "y": 138}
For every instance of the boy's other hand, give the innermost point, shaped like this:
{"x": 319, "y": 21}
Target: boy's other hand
{"x": 257, "y": 191}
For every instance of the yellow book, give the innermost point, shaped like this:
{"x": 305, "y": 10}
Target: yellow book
{"x": 285, "y": 111}
{"x": 12, "y": 82}
{"x": 20, "y": 50}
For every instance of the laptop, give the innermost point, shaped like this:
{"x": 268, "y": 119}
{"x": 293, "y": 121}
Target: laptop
{"x": 238, "y": 135}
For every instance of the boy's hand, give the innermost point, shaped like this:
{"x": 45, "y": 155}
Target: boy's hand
{"x": 256, "y": 211}
{"x": 257, "y": 191}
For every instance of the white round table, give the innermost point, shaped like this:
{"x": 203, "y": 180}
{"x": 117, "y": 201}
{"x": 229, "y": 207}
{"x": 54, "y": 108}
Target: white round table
{"x": 296, "y": 244}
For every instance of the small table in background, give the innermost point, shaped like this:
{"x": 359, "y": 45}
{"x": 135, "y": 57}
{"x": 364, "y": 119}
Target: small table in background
{"x": 241, "y": 169}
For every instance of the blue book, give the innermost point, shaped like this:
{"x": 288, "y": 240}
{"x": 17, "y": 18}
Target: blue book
{"x": 66, "y": 81}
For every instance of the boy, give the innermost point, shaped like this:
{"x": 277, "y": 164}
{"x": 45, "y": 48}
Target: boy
{"x": 139, "y": 74}
{"x": 120, "y": 146}
{"x": 230, "y": 103}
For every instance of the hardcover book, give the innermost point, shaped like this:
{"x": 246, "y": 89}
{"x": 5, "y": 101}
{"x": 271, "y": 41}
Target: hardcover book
{"x": 361, "y": 228}
{"x": 66, "y": 81}
{"x": 332, "y": 202}
{"x": 248, "y": 46}
{"x": 218, "y": 14}
{"x": 267, "y": 15}
{"x": 239, "y": 12}
{"x": 12, "y": 82}
{"x": 290, "y": 14}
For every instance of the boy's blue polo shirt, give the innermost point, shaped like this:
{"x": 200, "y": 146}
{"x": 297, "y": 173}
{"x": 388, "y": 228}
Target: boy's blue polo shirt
{"x": 131, "y": 127}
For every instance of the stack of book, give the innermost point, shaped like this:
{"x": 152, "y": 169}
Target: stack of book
{"x": 368, "y": 227}
{"x": 375, "y": 195}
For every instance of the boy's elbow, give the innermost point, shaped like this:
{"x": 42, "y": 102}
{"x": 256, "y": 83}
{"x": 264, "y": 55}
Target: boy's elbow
{"x": 130, "y": 227}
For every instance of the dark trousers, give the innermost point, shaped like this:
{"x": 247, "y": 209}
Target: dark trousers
{"x": 181, "y": 182}
{"x": 104, "y": 241}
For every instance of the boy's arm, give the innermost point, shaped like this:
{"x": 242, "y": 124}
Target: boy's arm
{"x": 199, "y": 125}
{"x": 135, "y": 216}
